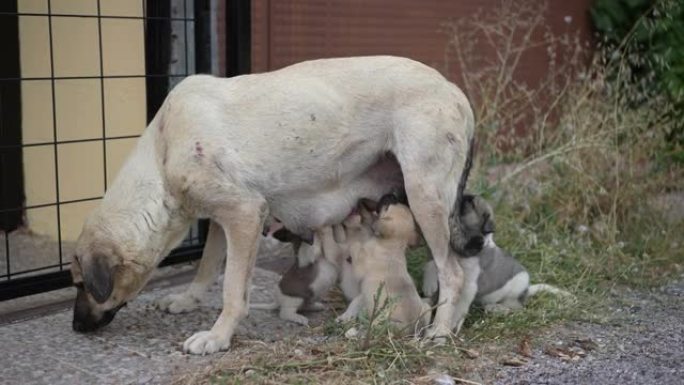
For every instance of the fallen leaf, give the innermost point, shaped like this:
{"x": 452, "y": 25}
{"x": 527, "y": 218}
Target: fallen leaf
{"x": 586, "y": 343}
{"x": 469, "y": 353}
{"x": 514, "y": 361}
{"x": 525, "y": 348}
{"x": 565, "y": 354}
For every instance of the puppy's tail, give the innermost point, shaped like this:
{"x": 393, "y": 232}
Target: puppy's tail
{"x": 264, "y": 306}
{"x": 542, "y": 287}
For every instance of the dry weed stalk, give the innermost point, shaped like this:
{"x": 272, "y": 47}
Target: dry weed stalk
{"x": 598, "y": 150}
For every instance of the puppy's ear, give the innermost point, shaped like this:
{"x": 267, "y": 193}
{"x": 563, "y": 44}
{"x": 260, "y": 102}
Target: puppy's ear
{"x": 484, "y": 210}
{"x": 466, "y": 200}
{"x": 285, "y": 235}
{"x": 401, "y": 196}
{"x": 307, "y": 237}
{"x": 386, "y": 201}
{"x": 488, "y": 226}
{"x": 368, "y": 204}
{"x": 98, "y": 278}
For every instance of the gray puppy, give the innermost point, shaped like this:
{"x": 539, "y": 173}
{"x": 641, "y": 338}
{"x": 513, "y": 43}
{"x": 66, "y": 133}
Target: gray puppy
{"x": 503, "y": 283}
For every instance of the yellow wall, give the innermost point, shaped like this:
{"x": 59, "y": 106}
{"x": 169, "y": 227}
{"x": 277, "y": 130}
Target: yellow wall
{"x": 78, "y": 112}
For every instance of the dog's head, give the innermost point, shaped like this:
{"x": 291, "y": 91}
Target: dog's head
{"x": 105, "y": 279}
{"x": 395, "y": 221}
{"x": 475, "y": 222}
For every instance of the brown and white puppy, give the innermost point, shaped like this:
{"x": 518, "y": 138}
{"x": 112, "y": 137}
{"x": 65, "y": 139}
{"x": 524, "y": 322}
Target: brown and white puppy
{"x": 310, "y": 277}
{"x": 503, "y": 283}
{"x": 380, "y": 263}
{"x": 318, "y": 264}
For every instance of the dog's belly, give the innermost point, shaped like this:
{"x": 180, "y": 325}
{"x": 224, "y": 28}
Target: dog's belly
{"x": 313, "y": 208}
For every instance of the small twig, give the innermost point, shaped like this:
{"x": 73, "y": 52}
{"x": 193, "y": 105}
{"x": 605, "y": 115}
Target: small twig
{"x": 551, "y": 154}
{"x": 463, "y": 380}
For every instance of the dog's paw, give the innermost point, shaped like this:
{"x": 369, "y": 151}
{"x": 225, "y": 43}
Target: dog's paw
{"x": 206, "y": 342}
{"x": 437, "y": 334}
{"x": 178, "y": 303}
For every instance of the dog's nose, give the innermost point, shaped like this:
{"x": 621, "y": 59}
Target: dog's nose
{"x": 83, "y": 326}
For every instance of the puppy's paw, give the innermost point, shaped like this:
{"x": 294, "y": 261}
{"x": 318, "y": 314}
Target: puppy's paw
{"x": 206, "y": 342}
{"x": 430, "y": 287}
{"x": 344, "y": 317}
{"x": 178, "y": 303}
{"x": 296, "y": 318}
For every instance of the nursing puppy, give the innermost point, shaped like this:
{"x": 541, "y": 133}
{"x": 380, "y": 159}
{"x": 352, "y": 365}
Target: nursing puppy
{"x": 320, "y": 264}
{"x": 318, "y": 134}
{"x": 310, "y": 277}
{"x": 357, "y": 228}
{"x": 380, "y": 263}
{"x": 503, "y": 283}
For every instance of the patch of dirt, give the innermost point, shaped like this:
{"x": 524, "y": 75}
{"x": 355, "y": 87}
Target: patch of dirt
{"x": 640, "y": 342}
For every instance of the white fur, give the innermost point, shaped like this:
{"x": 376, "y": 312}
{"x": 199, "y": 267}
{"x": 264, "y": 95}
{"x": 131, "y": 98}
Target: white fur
{"x": 301, "y": 144}
{"x": 542, "y": 287}
{"x": 512, "y": 290}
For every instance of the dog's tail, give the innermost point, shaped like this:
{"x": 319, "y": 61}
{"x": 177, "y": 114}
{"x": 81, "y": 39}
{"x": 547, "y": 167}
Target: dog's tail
{"x": 264, "y": 306}
{"x": 465, "y": 174}
{"x": 542, "y": 287}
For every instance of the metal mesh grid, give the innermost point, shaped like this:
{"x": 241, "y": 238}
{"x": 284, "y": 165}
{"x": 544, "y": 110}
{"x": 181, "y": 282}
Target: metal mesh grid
{"x": 194, "y": 241}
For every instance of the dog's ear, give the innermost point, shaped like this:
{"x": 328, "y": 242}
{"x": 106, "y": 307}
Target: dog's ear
{"x": 98, "y": 279}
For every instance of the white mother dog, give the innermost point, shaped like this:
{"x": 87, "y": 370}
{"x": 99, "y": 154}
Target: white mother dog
{"x": 301, "y": 144}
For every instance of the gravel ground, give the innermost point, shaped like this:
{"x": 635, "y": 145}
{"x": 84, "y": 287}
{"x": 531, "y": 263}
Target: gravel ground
{"x": 642, "y": 342}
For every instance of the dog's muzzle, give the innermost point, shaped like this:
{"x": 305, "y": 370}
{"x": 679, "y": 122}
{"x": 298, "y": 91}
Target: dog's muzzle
{"x": 85, "y": 320}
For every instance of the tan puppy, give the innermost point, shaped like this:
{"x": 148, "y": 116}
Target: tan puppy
{"x": 380, "y": 262}
{"x": 355, "y": 229}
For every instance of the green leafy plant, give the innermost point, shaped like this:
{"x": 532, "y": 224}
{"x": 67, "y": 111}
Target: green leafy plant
{"x": 643, "y": 43}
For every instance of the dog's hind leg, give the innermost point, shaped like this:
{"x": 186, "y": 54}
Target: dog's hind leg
{"x": 242, "y": 222}
{"x": 432, "y": 158}
{"x": 431, "y": 212}
{"x": 209, "y": 267}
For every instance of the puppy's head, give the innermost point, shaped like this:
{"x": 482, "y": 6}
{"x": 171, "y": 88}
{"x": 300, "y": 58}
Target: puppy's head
{"x": 105, "y": 279}
{"x": 475, "y": 222}
{"x": 395, "y": 221}
{"x": 305, "y": 250}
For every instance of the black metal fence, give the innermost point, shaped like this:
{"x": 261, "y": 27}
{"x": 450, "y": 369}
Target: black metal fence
{"x": 175, "y": 33}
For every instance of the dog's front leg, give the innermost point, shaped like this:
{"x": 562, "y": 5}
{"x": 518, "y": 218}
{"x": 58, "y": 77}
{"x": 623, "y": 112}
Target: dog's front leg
{"x": 471, "y": 268}
{"x": 242, "y": 226}
{"x": 209, "y": 266}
